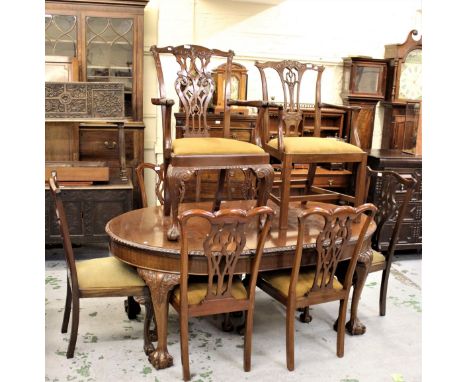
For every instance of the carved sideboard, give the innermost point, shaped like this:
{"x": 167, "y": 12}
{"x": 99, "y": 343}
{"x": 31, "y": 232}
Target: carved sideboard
{"x": 88, "y": 210}
{"x": 404, "y": 164}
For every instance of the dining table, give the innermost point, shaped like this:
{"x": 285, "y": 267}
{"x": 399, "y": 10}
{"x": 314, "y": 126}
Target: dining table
{"x": 138, "y": 237}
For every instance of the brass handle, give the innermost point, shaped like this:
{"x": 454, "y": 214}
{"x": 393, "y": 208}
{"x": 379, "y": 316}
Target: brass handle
{"x": 110, "y": 146}
{"x": 330, "y": 182}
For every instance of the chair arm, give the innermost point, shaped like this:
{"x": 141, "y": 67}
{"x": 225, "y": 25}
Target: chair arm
{"x": 339, "y": 107}
{"x": 162, "y": 101}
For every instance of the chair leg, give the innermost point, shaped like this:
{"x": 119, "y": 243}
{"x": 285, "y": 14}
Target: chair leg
{"x": 248, "y": 340}
{"x": 310, "y": 181}
{"x": 167, "y": 194}
{"x": 74, "y": 326}
{"x": 290, "y": 318}
{"x": 148, "y": 346}
{"x": 383, "y": 291}
{"x": 305, "y": 315}
{"x": 184, "y": 353}
{"x": 360, "y": 186}
{"x": 219, "y": 190}
{"x": 66, "y": 312}
{"x": 341, "y": 328}
{"x": 285, "y": 193}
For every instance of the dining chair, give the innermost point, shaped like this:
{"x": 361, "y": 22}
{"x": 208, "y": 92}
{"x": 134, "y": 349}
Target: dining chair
{"x": 392, "y": 195}
{"x": 158, "y": 171}
{"x": 222, "y": 291}
{"x": 290, "y": 146}
{"x": 196, "y": 150}
{"x": 336, "y": 234}
{"x": 100, "y": 277}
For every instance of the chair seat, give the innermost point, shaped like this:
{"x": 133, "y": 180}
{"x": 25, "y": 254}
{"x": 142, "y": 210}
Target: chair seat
{"x": 197, "y": 292}
{"x": 377, "y": 258}
{"x": 280, "y": 280}
{"x": 315, "y": 145}
{"x": 213, "y": 146}
{"x": 106, "y": 273}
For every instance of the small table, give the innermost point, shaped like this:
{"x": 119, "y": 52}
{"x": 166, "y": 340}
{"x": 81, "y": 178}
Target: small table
{"x": 139, "y": 238}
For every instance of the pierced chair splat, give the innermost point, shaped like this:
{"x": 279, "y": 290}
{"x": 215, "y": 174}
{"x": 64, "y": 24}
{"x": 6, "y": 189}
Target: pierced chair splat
{"x": 289, "y": 145}
{"x": 197, "y": 150}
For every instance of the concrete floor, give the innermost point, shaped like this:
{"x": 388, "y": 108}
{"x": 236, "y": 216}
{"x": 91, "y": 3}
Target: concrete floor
{"x": 109, "y": 346}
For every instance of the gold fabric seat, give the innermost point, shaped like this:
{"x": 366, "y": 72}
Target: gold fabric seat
{"x": 106, "y": 273}
{"x": 196, "y": 292}
{"x": 377, "y": 258}
{"x": 213, "y": 146}
{"x": 282, "y": 279}
{"x": 315, "y": 145}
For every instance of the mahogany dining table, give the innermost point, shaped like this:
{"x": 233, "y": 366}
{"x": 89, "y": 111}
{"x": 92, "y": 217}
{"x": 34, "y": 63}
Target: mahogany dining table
{"x": 139, "y": 238}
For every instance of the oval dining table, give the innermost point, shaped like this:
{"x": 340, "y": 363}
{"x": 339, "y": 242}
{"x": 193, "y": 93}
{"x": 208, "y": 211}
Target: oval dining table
{"x": 139, "y": 238}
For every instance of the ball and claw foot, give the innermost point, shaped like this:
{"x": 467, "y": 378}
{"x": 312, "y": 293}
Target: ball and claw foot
{"x": 173, "y": 233}
{"x": 160, "y": 359}
{"x": 149, "y": 349}
{"x": 356, "y": 328}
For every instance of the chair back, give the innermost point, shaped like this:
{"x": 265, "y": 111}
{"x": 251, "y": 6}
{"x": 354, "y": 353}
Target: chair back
{"x": 158, "y": 171}
{"x": 223, "y": 242}
{"x": 290, "y": 74}
{"x": 392, "y": 194}
{"x": 195, "y": 85}
{"x": 334, "y": 229}
{"x": 64, "y": 230}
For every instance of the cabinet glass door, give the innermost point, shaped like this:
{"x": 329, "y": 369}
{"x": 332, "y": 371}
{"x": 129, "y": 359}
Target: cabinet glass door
{"x": 60, "y": 35}
{"x": 109, "y": 53}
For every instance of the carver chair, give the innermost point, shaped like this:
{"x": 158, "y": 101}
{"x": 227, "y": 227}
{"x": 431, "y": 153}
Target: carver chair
{"x": 289, "y": 145}
{"x": 158, "y": 171}
{"x": 196, "y": 150}
{"x": 222, "y": 291}
{"x": 392, "y": 194}
{"x": 100, "y": 277}
{"x": 304, "y": 286}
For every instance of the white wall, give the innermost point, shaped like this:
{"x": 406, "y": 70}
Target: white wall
{"x": 321, "y": 31}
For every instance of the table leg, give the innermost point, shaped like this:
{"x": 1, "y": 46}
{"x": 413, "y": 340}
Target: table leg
{"x": 160, "y": 284}
{"x": 354, "y": 326}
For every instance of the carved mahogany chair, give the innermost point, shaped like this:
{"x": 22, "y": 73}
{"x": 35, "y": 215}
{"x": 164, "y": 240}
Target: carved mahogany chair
{"x": 222, "y": 291}
{"x": 196, "y": 150}
{"x": 289, "y": 146}
{"x": 100, "y": 277}
{"x": 304, "y": 286}
{"x": 392, "y": 195}
{"x": 158, "y": 185}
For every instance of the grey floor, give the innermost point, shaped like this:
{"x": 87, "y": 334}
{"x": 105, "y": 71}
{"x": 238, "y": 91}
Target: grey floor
{"x": 109, "y": 346}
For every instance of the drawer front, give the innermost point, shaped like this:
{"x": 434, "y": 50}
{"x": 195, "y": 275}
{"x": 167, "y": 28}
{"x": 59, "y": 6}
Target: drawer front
{"x": 103, "y": 145}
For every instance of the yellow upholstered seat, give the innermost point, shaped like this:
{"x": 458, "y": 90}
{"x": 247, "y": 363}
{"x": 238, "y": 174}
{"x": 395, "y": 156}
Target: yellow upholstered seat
{"x": 281, "y": 280}
{"x": 197, "y": 292}
{"x": 315, "y": 145}
{"x": 213, "y": 146}
{"x": 106, "y": 273}
{"x": 377, "y": 258}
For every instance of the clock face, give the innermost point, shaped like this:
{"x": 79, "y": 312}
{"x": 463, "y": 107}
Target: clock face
{"x": 411, "y": 76}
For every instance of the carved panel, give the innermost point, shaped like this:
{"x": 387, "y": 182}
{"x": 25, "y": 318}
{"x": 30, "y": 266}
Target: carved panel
{"x": 84, "y": 100}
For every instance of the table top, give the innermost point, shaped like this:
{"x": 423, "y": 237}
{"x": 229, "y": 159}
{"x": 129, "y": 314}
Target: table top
{"x": 138, "y": 237}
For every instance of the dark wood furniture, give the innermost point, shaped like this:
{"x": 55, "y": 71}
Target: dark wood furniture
{"x": 303, "y": 286}
{"x": 364, "y": 85}
{"x": 158, "y": 174}
{"x": 148, "y": 248}
{"x": 101, "y": 277}
{"x": 405, "y": 164}
{"x": 402, "y": 107}
{"x": 392, "y": 193}
{"x": 88, "y": 210}
{"x": 291, "y": 146}
{"x": 224, "y": 238}
{"x": 105, "y": 38}
{"x": 197, "y": 150}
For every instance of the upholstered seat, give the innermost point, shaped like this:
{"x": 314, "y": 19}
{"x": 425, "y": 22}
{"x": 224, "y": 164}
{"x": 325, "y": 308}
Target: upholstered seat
{"x": 196, "y": 292}
{"x": 106, "y": 273}
{"x": 377, "y": 258}
{"x": 315, "y": 145}
{"x": 213, "y": 146}
{"x": 282, "y": 279}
